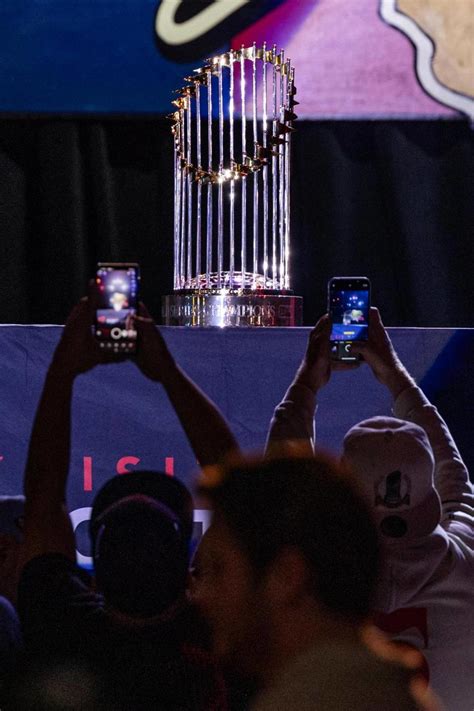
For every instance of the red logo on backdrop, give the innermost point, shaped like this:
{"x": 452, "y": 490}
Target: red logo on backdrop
{"x": 123, "y": 466}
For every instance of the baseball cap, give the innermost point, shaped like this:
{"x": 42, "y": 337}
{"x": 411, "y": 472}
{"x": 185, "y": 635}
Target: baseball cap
{"x": 141, "y": 525}
{"x": 394, "y": 465}
{"x": 166, "y": 490}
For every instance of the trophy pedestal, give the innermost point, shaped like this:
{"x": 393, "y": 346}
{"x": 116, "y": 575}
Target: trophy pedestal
{"x": 223, "y": 308}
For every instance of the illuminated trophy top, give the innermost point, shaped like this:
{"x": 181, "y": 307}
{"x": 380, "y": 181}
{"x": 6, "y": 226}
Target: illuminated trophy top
{"x": 232, "y": 135}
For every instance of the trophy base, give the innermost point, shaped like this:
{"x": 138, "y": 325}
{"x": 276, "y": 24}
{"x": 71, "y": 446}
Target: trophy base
{"x": 200, "y": 308}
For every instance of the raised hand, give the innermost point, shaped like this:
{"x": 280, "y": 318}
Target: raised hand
{"x": 77, "y": 351}
{"x": 206, "y": 428}
{"x": 381, "y": 356}
{"x": 315, "y": 369}
{"x": 317, "y": 365}
{"x": 153, "y": 357}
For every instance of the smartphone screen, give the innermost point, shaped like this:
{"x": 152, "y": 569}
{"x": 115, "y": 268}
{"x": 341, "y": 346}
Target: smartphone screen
{"x": 117, "y": 303}
{"x": 348, "y": 305}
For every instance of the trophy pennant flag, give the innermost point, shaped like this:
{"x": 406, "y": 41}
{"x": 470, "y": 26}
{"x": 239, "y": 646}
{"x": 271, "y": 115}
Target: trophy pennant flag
{"x": 232, "y": 128}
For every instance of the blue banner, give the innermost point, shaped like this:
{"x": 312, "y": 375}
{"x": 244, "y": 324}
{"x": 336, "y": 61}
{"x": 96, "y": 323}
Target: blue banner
{"x": 102, "y": 56}
{"x": 122, "y": 421}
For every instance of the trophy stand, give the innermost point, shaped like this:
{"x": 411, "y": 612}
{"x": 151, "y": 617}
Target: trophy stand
{"x": 232, "y": 215}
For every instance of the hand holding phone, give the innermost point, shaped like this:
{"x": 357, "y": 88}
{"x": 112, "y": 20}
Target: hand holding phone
{"x": 153, "y": 358}
{"x": 381, "y": 357}
{"x": 348, "y": 308}
{"x": 77, "y": 350}
{"x": 116, "y": 296}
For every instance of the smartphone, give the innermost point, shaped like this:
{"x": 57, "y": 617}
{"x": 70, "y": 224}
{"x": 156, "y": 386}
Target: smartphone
{"x": 117, "y": 304}
{"x": 348, "y": 307}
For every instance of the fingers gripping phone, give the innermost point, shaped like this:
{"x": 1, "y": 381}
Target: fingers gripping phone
{"x": 348, "y": 307}
{"x": 116, "y": 305}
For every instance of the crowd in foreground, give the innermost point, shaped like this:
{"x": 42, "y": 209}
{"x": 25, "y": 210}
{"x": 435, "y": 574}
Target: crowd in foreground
{"x": 333, "y": 584}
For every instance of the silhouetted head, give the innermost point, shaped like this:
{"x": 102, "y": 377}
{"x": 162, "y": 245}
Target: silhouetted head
{"x": 287, "y": 534}
{"x": 141, "y": 526}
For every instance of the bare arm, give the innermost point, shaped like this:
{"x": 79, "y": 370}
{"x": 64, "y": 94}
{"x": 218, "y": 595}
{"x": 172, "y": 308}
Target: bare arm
{"x": 292, "y": 424}
{"x": 380, "y": 355}
{"x": 205, "y": 427}
{"x": 47, "y": 525}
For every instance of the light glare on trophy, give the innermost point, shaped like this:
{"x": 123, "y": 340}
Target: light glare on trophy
{"x": 232, "y": 138}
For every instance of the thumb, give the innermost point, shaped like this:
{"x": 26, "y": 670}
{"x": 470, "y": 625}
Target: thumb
{"x": 143, "y": 320}
{"x": 323, "y": 324}
{"x": 80, "y": 314}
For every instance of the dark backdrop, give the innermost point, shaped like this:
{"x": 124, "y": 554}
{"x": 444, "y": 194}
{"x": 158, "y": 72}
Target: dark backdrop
{"x": 388, "y": 199}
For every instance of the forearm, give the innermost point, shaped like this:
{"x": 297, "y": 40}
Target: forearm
{"x": 48, "y": 527}
{"x": 206, "y": 428}
{"x": 49, "y": 450}
{"x": 292, "y": 424}
{"x": 398, "y": 379}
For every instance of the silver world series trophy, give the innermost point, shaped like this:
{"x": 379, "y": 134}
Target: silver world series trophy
{"x": 232, "y": 135}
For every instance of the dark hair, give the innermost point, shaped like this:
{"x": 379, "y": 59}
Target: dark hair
{"x": 308, "y": 503}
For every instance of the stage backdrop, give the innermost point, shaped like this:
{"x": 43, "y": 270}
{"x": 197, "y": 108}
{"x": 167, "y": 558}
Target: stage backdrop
{"x": 354, "y": 58}
{"x": 122, "y": 421}
{"x": 386, "y": 199}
